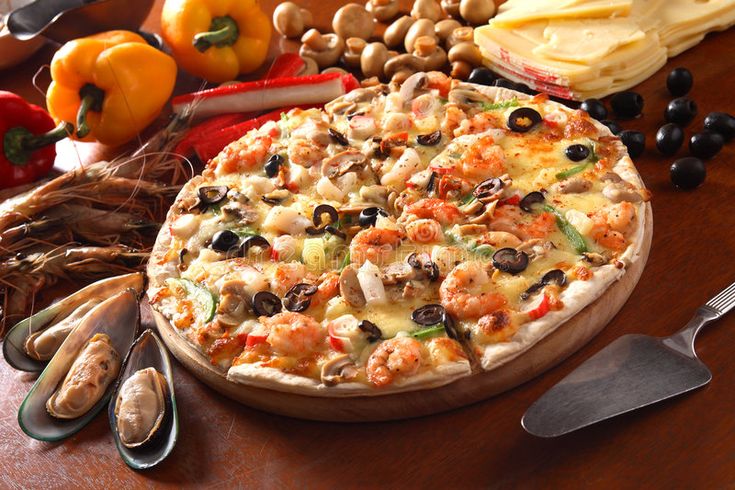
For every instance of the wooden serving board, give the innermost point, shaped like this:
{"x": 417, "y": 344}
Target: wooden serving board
{"x": 548, "y": 352}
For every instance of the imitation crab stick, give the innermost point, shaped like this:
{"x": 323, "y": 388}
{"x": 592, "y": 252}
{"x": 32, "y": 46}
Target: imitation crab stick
{"x": 262, "y": 95}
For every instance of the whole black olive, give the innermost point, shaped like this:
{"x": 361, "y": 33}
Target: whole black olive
{"x": 428, "y": 314}
{"x": 679, "y": 82}
{"x": 298, "y": 297}
{"x": 482, "y": 76}
{"x": 595, "y": 108}
{"x": 721, "y": 122}
{"x": 577, "y": 153}
{"x": 502, "y": 82}
{"x": 523, "y": 120}
{"x": 253, "y": 241}
{"x": 681, "y": 111}
{"x": 214, "y": 194}
{"x": 374, "y": 333}
{"x": 510, "y": 260}
{"x": 319, "y": 213}
{"x": 488, "y": 188}
{"x": 706, "y": 144}
{"x": 273, "y": 164}
{"x": 530, "y": 199}
{"x": 338, "y": 137}
{"x": 266, "y": 303}
{"x": 369, "y": 216}
{"x": 627, "y": 104}
{"x": 669, "y": 139}
{"x": 688, "y": 173}
{"x": 634, "y": 141}
{"x": 614, "y": 127}
{"x": 430, "y": 139}
{"x": 224, "y": 240}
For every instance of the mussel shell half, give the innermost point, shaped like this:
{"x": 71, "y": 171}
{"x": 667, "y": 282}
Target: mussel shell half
{"x": 14, "y": 350}
{"x": 42, "y": 345}
{"x": 147, "y": 352}
{"x": 117, "y": 317}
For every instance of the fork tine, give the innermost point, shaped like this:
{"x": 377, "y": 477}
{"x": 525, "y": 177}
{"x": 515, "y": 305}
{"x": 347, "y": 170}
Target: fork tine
{"x": 724, "y": 300}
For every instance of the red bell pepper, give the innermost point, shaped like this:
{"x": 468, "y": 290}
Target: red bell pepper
{"x": 542, "y": 309}
{"x": 27, "y": 137}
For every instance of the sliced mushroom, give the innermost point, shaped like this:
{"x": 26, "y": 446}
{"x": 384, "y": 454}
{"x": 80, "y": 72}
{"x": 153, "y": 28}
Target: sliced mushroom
{"x": 241, "y": 212}
{"x": 466, "y": 96}
{"x": 536, "y": 248}
{"x": 276, "y": 197}
{"x": 343, "y": 162}
{"x": 413, "y": 86}
{"x": 573, "y": 185}
{"x": 374, "y": 194}
{"x": 349, "y": 287}
{"x": 617, "y": 192}
{"x": 338, "y": 370}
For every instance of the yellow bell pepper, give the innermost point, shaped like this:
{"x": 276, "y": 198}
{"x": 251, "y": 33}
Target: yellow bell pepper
{"x": 216, "y": 39}
{"x": 112, "y": 84}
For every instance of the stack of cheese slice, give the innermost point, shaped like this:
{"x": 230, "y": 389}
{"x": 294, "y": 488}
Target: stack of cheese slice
{"x": 578, "y": 49}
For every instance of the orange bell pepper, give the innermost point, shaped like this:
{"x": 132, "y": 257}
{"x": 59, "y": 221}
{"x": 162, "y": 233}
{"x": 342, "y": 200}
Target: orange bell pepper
{"x": 216, "y": 39}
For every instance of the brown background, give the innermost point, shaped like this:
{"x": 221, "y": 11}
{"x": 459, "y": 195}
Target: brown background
{"x": 683, "y": 443}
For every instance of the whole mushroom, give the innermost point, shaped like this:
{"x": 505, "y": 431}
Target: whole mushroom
{"x": 476, "y": 12}
{"x": 444, "y": 28}
{"x": 310, "y": 67}
{"x": 400, "y": 67}
{"x": 354, "y": 47}
{"x": 373, "y": 59}
{"x": 451, "y": 7}
{"x": 383, "y": 10}
{"x": 460, "y": 35}
{"x": 430, "y": 52}
{"x": 325, "y": 49}
{"x": 396, "y": 32}
{"x": 422, "y": 27}
{"x": 426, "y": 9}
{"x": 353, "y": 20}
{"x": 467, "y": 52}
{"x": 290, "y": 20}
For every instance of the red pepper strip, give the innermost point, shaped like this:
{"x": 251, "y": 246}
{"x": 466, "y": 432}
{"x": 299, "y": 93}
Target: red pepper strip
{"x": 286, "y": 65}
{"x": 209, "y": 147}
{"x": 541, "y": 310}
{"x": 202, "y": 130}
{"x": 511, "y": 201}
{"x": 262, "y": 95}
{"x": 27, "y": 137}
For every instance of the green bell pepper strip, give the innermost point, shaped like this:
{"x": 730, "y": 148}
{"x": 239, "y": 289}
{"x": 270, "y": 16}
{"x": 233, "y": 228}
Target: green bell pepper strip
{"x": 574, "y": 237}
{"x": 201, "y": 296}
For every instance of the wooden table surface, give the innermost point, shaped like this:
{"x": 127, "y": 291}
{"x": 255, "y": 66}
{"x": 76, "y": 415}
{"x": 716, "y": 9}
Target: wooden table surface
{"x": 687, "y": 442}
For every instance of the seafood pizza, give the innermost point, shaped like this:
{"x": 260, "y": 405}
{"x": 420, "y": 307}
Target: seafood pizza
{"x": 401, "y": 238}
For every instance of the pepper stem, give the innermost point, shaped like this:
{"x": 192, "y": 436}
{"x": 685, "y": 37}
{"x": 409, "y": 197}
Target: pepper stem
{"x": 222, "y": 32}
{"x": 19, "y": 143}
{"x": 92, "y": 98}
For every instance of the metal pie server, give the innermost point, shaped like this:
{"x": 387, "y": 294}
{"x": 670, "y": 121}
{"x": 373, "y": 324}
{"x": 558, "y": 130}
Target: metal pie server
{"x": 630, "y": 373}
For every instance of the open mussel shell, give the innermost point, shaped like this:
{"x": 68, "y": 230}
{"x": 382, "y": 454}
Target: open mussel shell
{"x": 148, "y": 352}
{"x": 117, "y": 318}
{"x": 14, "y": 345}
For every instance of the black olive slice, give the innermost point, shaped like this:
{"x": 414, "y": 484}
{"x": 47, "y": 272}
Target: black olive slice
{"x": 374, "y": 333}
{"x": 335, "y": 231}
{"x": 314, "y": 231}
{"x": 577, "y": 153}
{"x": 369, "y": 216}
{"x": 266, "y": 303}
{"x": 320, "y": 211}
{"x": 432, "y": 182}
{"x": 428, "y": 314}
{"x": 488, "y": 188}
{"x": 451, "y": 327}
{"x": 530, "y": 199}
{"x": 338, "y": 137}
{"x": 272, "y": 165}
{"x": 510, "y": 260}
{"x": 430, "y": 139}
{"x": 297, "y": 298}
{"x": 554, "y": 276}
{"x": 213, "y": 194}
{"x": 523, "y": 120}
{"x": 224, "y": 240}
{"x": 253, "y": 241}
